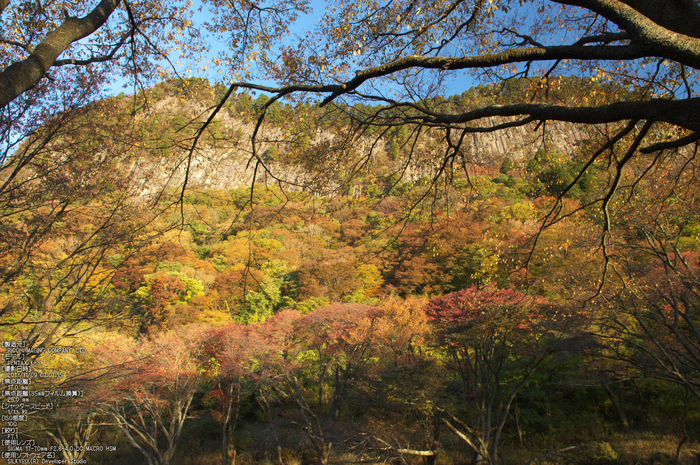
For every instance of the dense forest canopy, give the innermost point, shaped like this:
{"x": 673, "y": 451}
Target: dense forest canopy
{"x": 372, "y": 285}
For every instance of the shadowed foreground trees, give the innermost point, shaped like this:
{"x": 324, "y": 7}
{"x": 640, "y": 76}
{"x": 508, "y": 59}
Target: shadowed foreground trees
{"x": 649, "y": 313}
{"x": 495, "y": 339}
{"x": 654, "y": 322}
{"x": 318, "y": 364}
{"x": 230, "y": 359}
{"x": 153, "y": 382}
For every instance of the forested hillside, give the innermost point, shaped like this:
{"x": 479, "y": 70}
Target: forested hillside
{"x": 398, "y": 309}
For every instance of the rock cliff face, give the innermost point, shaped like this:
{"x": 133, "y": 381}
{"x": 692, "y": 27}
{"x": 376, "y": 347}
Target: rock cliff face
{"x": 212, "y": 168}
{"x": 520, "y": 143}
{"x": 228, "y": 164}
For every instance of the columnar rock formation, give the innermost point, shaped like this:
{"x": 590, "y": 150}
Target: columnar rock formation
{"x": 229, "y": 165}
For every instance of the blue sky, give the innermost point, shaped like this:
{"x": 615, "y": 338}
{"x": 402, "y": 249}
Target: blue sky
{"x": 304, "y": 23}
